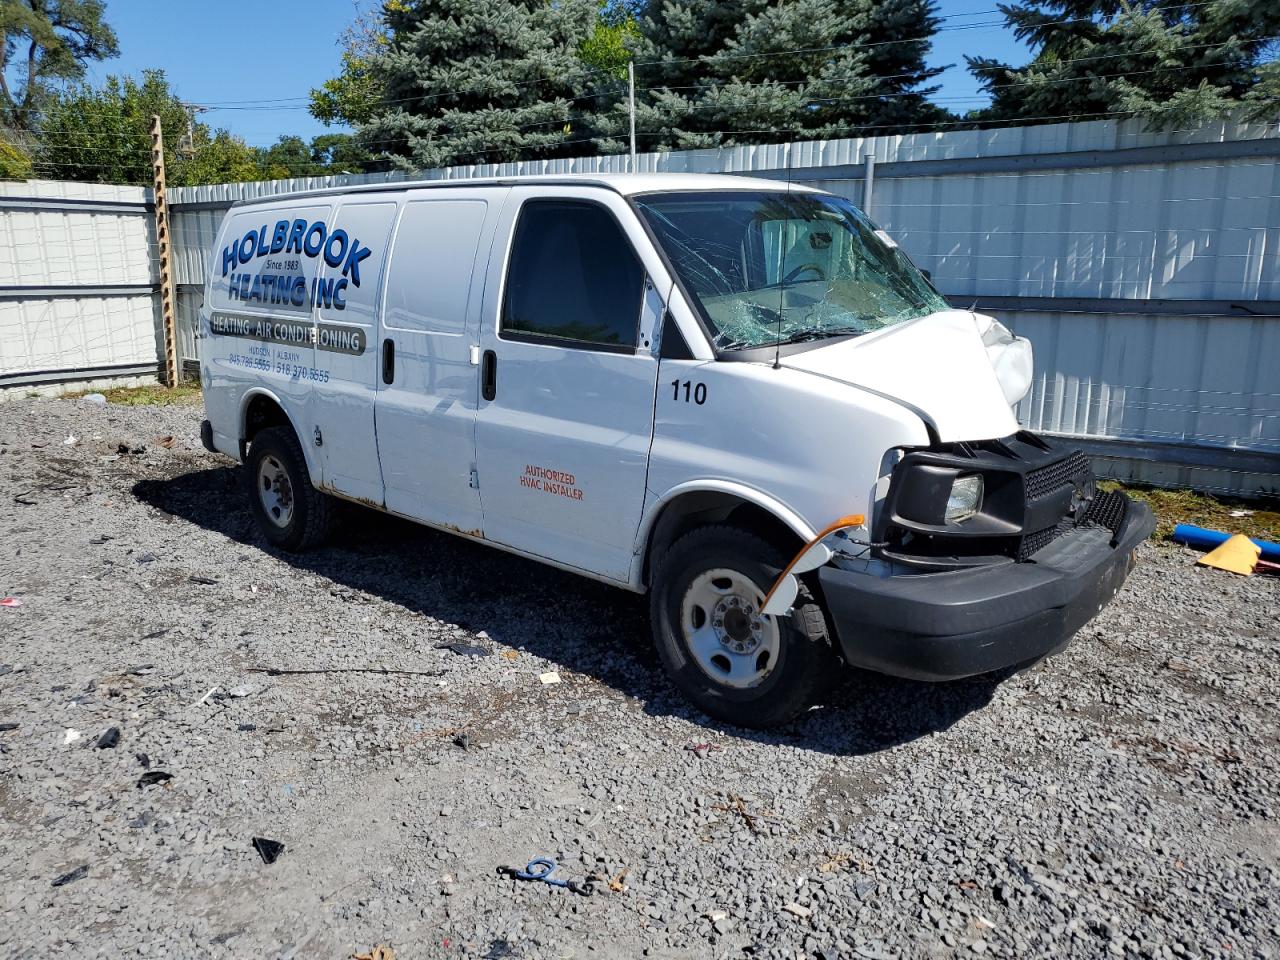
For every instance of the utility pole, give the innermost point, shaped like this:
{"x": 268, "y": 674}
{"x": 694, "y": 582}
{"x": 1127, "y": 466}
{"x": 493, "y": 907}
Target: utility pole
{"x": 164, "y": 249}
{"x": 187, "y": 147}
{"x": 868, "y": 182}
{"x": 631, "y": 97}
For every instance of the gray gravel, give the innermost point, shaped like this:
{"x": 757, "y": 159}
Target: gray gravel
{"x": 1118, "y": 800}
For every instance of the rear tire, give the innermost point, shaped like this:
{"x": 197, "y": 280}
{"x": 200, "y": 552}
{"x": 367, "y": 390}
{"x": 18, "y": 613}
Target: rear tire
{"x": 731, "y": 662}
{"x": 291, "y": 513}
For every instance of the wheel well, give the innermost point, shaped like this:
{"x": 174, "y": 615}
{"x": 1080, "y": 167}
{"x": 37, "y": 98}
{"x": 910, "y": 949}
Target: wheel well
{"x": 703, "y": 507}
{"x": 261, "y": 413}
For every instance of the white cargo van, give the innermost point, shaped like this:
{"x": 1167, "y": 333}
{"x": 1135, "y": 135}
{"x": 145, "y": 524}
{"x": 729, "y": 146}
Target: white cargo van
{"x": 735, "y": 394}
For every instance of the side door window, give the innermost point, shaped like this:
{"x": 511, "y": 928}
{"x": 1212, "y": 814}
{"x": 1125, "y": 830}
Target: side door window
{"x": 573, "y": 279}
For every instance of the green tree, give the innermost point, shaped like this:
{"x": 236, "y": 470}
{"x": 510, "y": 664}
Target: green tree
{"x": 103, "y": 135}
{"x": 15, "y": 156}
{"x": 752, "y": 71}
{"x": 606, "y": 50}
{"x": 1171, "y": 63}
{"x": 472, "y": 81}
{"x": 351, "y": 97}
{"x": 46, "y": 42}
{"x": 343, "y": 153}
{"x": 290, "y": 156}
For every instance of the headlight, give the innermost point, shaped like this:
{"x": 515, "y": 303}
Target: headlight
{"x": 965, "y": 499}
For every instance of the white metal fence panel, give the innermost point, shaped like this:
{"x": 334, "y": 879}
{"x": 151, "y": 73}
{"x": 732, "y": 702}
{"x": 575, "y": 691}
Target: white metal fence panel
{"x": 76, "y": 282}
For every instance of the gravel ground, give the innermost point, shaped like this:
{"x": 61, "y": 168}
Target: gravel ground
{"x": 1120, "y": 799}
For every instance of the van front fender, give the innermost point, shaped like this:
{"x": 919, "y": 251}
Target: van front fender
{"x": 728, "y": 488}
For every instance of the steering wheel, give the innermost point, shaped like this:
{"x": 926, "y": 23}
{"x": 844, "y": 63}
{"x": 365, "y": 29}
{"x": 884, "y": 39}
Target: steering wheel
{"x": 802, "y": 268}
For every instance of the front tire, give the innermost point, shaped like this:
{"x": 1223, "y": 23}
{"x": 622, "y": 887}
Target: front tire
{"x": 291, "y": 513}
{"x": 732, "y": 662}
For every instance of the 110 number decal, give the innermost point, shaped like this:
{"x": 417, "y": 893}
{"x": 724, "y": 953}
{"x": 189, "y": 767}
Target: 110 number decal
{"x": 697, "y": 392}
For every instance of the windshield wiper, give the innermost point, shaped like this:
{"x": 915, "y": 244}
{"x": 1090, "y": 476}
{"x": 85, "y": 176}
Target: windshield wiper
{"x": 805, "y": 336}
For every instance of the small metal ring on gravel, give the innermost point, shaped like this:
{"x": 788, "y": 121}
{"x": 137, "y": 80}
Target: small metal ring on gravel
{"x": 275, "y": 491}
{"x": 730, "y": 640}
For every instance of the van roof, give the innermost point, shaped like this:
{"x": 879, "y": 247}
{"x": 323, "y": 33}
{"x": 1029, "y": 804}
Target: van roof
{"x": 625, "y": 184}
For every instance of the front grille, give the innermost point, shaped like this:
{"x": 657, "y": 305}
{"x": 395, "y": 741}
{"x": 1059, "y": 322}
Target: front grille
{"x": 1047, "y": 480}
{"x": 1108, "y": 509}
{"x": 1033, "y": 543}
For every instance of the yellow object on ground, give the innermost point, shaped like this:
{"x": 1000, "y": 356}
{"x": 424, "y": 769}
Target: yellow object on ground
{"x": 1239, "y": 554}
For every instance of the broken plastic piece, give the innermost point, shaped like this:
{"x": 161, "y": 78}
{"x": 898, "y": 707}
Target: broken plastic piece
{"x": 464, "y": 649}
{"x": 811, "y": 556}
{"x": 1237, "y": 555}
{"x": 152, "y": 777}
{"x": 6, "y": 727}
{"x": 110, "y": 737}
{"x": 549, "y": 677}
{"x": 10, "y": 602}
{"x": 79, "y": 873}
{"x": 269, "y": 850}
{"x": 70, "y": 737}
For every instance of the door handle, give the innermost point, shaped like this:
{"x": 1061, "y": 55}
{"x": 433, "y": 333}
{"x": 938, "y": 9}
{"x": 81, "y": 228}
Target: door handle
{"x": 388, "y": 360}
{"x": 489, "y": 375}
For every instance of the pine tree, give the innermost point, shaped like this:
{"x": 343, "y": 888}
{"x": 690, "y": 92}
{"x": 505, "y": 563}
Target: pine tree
{"x": 756, "y": 72}
{"x": 1171, "y": 63}
{"x": 468, "y": 81}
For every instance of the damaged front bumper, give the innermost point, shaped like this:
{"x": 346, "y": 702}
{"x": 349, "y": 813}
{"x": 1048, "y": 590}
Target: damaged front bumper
{"x": 943, "y": 625}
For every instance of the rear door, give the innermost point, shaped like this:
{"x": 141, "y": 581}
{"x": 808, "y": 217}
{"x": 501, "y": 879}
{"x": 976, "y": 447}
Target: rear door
{"x": 568, "y": 377}
{"x": 427, "y": 388}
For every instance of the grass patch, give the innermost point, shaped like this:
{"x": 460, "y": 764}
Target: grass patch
{"x": 149, "y": 396}
{"x": 1171, "y": 507}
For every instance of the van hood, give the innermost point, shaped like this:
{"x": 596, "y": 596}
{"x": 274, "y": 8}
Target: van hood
{"x": 960, "y": 372}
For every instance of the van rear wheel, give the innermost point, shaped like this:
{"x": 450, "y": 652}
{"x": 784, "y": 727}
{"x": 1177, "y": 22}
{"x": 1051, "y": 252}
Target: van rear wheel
{"x": 291, "y": 513}
{"x": 732, "y": 661}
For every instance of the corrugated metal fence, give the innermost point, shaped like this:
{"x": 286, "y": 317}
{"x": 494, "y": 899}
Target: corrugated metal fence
{"x": 77, "y": 278}
{"x": 1144, "y": 266}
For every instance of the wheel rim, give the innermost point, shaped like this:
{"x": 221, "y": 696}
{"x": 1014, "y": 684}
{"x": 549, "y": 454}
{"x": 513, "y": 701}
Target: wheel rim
{"x": 730, "y": 640}
{"x": 275, "y": 492}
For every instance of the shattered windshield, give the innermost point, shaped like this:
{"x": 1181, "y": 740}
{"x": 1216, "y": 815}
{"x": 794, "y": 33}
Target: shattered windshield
{"x": 768, "y": 268}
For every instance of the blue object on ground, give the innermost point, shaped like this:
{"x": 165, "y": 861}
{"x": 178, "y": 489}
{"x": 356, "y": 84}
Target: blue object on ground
{"x": 1203, "y": 539}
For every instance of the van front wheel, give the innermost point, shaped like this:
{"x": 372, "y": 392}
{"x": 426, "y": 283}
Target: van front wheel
{"x": 291, "y": 513}
{"x": 732, "y": 661}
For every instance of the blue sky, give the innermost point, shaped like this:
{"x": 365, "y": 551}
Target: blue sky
{"x": 239, "y": 50}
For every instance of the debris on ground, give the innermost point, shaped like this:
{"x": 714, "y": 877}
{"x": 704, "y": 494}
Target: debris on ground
{"x": 110, "y": 737}
{"x": 268, "y": 850}
{"x": 549, "y": 677}
{"x": 79, "y": 873}
{"x": 804, "y": 913}
{"x": 7, "y": 726}
{"x": 153, "y": 777}
{"x": 700, "y": 750}
{"x": 542, "y": 868}
{"x": 10, "y": 602}
{"x": 70, "y": 737}
{"x": 1238, "y": 554}
{"x": 380, "y": 952}
{"x": 464, "y": 649}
